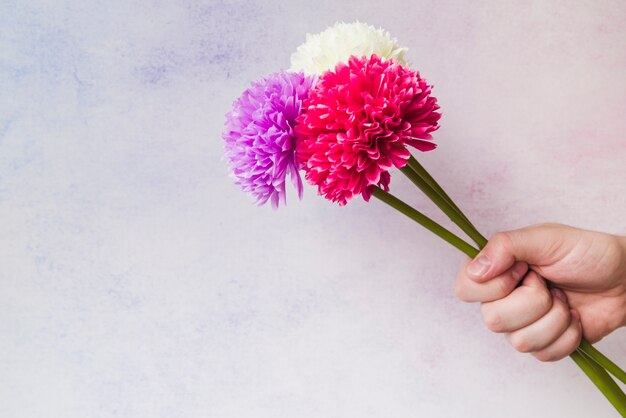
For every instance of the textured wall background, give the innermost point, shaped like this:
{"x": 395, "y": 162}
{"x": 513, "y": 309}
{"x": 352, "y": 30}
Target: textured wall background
{"x": 137, "y": 281}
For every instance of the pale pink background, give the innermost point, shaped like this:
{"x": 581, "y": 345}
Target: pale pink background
{"x": 137, "y": 281}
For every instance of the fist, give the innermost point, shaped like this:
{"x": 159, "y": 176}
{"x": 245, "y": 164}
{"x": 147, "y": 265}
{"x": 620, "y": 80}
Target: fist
{"x": 534, "y": 319}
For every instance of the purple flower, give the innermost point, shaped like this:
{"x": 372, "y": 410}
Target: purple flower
{"x": 259, "y": 136}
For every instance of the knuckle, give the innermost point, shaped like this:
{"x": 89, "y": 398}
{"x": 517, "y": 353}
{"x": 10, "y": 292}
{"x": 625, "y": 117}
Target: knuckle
{"x": 548, "y": 225}
{"x": 492, "y": 320}
{"x": 545, "y": 301}
{"x": 461, "y": 284}
{"x": 502, "y": 239}
{"x": 459, "y": 291}
{"x": 520, "y": 343}
{"x": 574, "y": 336}
{"x": 566, "y": 345}
{"x": 545, "y": 356}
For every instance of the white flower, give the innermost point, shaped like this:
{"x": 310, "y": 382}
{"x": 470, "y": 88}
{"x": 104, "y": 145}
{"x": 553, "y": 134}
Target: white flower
{"x": 323, "y": 51}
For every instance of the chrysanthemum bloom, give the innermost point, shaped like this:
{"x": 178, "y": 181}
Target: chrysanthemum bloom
{"x": 357, "y": 122}
{"x": 323, "y": 51}
{"x": 259, "y": 136}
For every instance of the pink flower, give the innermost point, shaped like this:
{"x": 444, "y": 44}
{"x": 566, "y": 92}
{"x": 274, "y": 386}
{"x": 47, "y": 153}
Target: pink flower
{"x": 356, "y": 123}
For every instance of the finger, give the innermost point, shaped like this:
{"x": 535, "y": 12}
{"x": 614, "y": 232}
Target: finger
{"x": 469, "y": 290}
{"x": 565, "y": 344}
{"x": 546, "y": 330}
{"x": 522, "y": 307}
{"x": 534, "y": 244}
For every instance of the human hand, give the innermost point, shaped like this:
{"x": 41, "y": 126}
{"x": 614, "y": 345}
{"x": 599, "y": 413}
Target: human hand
{"x": 586, "y": 296}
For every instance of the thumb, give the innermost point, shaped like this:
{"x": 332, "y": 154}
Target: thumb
{"x": 534, "y": 245}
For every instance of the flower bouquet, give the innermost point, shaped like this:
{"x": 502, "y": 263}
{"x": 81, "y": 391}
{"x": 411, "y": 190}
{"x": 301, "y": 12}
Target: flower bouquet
{"x": 348, "y": 111}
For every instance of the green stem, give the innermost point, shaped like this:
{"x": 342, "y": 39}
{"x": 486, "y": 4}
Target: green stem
{"x": 602, "y": 360}
{"x": 445, "y": 205}
{"x": 602, "y": 380}
{"x": 425, "y": 175}
{"x": 425, "y": 221}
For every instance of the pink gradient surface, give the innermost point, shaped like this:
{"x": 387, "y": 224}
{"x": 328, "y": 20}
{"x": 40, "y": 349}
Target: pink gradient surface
{"x": 137, "y": 281}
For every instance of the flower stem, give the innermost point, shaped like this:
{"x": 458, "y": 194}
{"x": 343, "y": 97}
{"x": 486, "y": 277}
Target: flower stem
{"x": 425, "y": 221}
{"x": 602, "y": 380}
{"x": 602, "y": 360}
{"x": 445, "y": 205}
{"x": 430, "y": 181}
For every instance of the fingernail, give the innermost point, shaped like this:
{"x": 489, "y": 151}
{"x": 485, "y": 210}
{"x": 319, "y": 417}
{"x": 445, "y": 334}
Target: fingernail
{"x": 558, "y": 293}
{"x": 518, "y": 271}
{"x": 479, "y": 266}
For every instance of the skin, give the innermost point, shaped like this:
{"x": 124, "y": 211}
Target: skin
{"x": 585, "y": 294}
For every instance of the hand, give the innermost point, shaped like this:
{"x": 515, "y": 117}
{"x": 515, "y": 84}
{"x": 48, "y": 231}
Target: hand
{"x": 586, "y": 295}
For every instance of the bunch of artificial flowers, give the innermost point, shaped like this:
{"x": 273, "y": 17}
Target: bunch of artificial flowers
{"x": 348, "y": 111}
